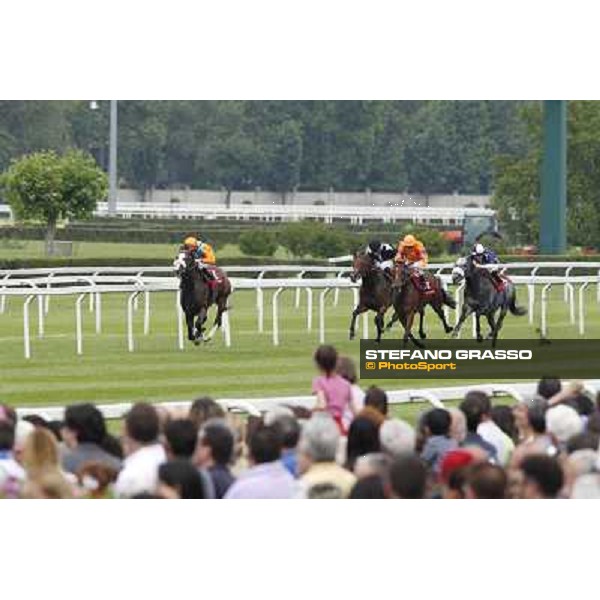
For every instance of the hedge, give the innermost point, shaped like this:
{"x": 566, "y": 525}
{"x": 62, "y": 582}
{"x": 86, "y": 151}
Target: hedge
{"x": 40, "y": 263}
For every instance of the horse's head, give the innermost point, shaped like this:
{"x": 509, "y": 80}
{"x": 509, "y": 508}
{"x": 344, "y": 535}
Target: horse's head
{"x": 183, "y": 262}
{"x": 362, "y": 265}
{"x": 459, "y": 271}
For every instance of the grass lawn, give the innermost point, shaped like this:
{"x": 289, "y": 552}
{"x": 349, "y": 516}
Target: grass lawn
{"x": 162, "y": 253}
{"x": 158, "y": 371}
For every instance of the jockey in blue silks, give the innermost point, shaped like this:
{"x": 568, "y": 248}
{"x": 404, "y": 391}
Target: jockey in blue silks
{"x": 486, "y": 256}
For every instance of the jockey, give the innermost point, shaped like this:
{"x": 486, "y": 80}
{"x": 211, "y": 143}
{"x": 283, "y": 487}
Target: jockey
{"x": 481, "y": 255}
{"x": 203, "y": 253}
{"x": 382, "y": 255}
{"x": 412, "y": 253}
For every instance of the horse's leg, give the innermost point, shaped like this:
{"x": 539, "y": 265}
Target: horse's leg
{"x": 465, "y": 312}
{"x": 379, "y": 323}
{"x": 492, "y": 324}
{"x": 395, "y": 318}
{"x": 189, "y": 321}
{"x": 200, "y": 322}
{"x": 357, "y": 311}
{"x": 439, "y": 311}
{"x": 422, "y": 333}
{"x": 499, "y": 323}
{"x": 478, "y": 327}
{"x": 410, "y": 317}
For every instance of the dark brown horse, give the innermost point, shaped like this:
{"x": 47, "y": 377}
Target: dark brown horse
{"x": 198, "y": 293}
{"x": 375, "y": 292}
{"x": 410, "y": 299}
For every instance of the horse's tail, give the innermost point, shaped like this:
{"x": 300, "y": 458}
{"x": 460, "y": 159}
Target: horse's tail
{"x": 518, "y": 311}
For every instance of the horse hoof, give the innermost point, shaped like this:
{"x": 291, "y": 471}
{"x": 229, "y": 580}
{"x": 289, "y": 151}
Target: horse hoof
{"x": 454, "y": 334}
{"x": 423, "y": 335}
{"x": 196, "y": 342}
{"x": 480, "y": 338}
{"x": 351, "y": 335}
{"x": 448, "y": 329}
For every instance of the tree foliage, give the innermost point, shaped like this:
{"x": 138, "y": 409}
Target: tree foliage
{"x": 517, "y": 179}
{"x": 48, "y": 187}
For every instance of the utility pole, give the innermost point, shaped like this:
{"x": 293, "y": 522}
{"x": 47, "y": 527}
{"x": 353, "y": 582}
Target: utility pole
{"x": 112, "y": 160}
{"x": 553, "y": 214}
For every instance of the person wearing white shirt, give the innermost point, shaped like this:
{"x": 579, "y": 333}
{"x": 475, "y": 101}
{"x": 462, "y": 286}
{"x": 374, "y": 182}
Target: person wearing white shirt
{"x": 144, "y": 453}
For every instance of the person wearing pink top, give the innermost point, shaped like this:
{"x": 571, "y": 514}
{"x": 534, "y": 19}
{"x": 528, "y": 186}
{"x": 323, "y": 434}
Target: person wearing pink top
{"x": 333, "y": 392}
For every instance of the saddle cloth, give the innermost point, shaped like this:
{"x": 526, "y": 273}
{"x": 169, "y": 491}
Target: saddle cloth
{"x": 424, "y": 287}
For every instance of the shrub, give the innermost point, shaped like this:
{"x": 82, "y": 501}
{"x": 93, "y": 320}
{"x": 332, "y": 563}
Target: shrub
{"x": 258, "y": 242}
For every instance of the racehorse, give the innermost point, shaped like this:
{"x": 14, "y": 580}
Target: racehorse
{"x": 375, "y": 292}
{"x": 409, "y": 299}
{"x": 198, "y": 294}
{"x": 482, "y": 297}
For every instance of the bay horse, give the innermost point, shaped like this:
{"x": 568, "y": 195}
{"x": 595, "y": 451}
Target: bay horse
{"x": 375, "y": 292}
{"x": 198, "y": 294}
{"x": 409, "y": 299}
{"x": 482, "y": 297}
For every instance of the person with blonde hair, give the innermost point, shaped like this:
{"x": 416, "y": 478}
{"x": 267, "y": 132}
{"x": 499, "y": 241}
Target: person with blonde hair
{"x": 41, "y": 461}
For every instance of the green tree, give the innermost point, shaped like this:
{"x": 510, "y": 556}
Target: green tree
{"x": 285, "y": 157}
{"x": 258, "y": 242}
{"x": 48, "y": 187}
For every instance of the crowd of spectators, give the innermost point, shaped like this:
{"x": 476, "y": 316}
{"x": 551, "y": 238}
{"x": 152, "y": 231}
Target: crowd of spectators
{"x": 349, "y": 446}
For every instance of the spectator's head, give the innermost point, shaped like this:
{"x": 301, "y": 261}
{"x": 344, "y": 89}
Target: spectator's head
{"x": 49, "y": 485}
{"x": 324, "y": 491}
{"x": 453, "y": 460}
{"x": 486, "y": 482}
{"x": 363, "y": 438}
{"x": 504, "y": 418}
{"x": 586, "y": 440}
{"x": 593, "y": 422}
{"x": 180, "y": 439}
{"x": 347, "y": 369}
{"x": 542, "y": 477}
{"x": 179, "y": 479}
{"x": 408, "y": 478}
{"x": 84, "y": 424}
{"x": 375, "y": 463}
{"x": 582, "y": 462}
{"x": 40, "y": 453}
{"x": 318, "y": 441}
{"x": 563, "y": 422}
{"x": 586, "y": 487}
{"x": 288, "y": 426}
{"x": 437, "y": 422}
{"x": 205, "y": 408}
{"x": 7, "y": 436}
{"x": 458, "y": 426}
{"x": 265, "y": 445}
{"x": 530, "y": 416}
{"x": 397, "y": 437}
{"x": 476, "y": 406}
{"x": 215, "y": 444}
{"x": 548, "y": 387}
{"x": 22, "y": 431}
{"x": 368, "y": 488}
{"x": 456, "y": 483}
{"x": 141, "y": 427}
{"x": 582, "y": 403}
{"x": 326, "y": 359}
{"x": 376, "y": 398}
{"x": 8, "y": 413}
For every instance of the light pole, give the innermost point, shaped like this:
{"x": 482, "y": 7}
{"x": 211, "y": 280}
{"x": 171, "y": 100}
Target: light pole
{"x": 112, "y": 156}
{"x": 112, "y": 160}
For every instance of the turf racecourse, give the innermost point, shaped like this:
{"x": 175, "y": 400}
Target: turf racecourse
{"x": 158, "y": 371}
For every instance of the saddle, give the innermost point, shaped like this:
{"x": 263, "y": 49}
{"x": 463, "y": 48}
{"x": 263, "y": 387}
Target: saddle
{"x": 500, "y": 282}
{"x": 217, "y": 276}
{"x": 423, "y": 285}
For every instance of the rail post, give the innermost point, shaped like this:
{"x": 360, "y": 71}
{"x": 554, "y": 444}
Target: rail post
{"x": 260, "y": 305}
{"x": 582, "y": 308}
{"x": 26, "y": 340}
{"x": 309, "y": 309}
{"x": 275, "y": 303}
{"x": 130, "y": 309}
{"x": 179, "y": 316}
{"x": 544, "y": 319}
{"x": 79, "y": 324}
{"x": 322, "y": 296}
{"x": 298, "y": 290}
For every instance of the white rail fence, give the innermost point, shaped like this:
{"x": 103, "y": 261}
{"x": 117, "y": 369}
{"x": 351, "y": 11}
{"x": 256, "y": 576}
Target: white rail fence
{"x": 256, "y": 406}
{"x": 41, "y": 284}
{"x": 327, "y": 213}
